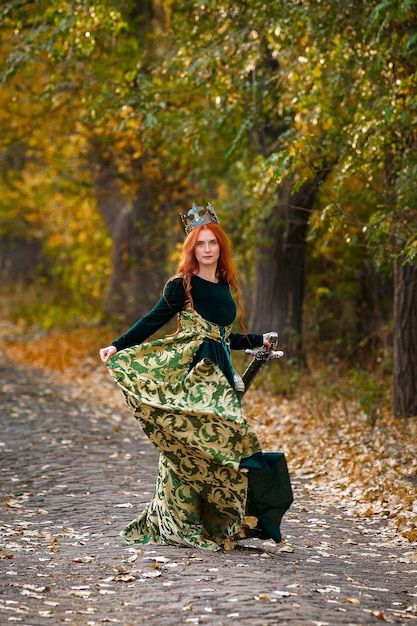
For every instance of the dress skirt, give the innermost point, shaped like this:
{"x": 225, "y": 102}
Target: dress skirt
{"x": 193, "y": 416}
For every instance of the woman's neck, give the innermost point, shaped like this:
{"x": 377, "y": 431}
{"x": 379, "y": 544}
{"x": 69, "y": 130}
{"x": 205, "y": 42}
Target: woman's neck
{"x": 207, "y": 274}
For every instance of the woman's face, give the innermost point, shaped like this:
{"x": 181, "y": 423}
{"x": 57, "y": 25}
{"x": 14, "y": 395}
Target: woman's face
{"x": 207, "y": 249}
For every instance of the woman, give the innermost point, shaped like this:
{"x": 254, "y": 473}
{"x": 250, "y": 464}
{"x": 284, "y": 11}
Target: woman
{"x": 184, "y": 392}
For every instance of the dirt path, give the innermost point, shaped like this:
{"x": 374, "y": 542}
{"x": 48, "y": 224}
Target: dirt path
{"x": 73, "y": 472}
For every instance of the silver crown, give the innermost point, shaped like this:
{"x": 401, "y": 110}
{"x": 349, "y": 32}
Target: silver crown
{"x": 198, "y": 216}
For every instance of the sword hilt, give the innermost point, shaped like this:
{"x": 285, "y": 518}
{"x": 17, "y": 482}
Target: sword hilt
{"x": 261, "y": 356}
{"x": 264, "y": 353}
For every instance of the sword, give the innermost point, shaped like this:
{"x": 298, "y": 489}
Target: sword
{"x": 261, "y": 357}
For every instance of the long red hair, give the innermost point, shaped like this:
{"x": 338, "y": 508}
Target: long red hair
{"x": 226, "y": 269}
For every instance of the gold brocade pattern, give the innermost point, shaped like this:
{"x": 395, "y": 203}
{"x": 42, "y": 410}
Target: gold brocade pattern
{"x": 194, "y": 418}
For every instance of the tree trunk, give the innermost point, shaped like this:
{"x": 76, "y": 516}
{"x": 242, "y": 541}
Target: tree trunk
{"x": 405, "y": 339}
{"x": 20, "y": 259}
{"x": 139, "y": 235}
{"x": 140, "y": 228}
{"x": 279, "y": 290}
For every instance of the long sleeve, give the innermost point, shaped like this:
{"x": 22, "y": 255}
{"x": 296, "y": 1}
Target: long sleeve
{"x": 241, "y": 342}
{"x": 171, "y": 302}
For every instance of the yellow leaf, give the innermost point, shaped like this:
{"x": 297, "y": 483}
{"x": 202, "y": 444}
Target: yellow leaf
{"x": 80, "y": 593}
{"x": 250, "y": 521}
{"x": 229, "y": 544}
{"x": 125, "y": 578}
{"x": 378, "y": 615}
{"x": 13, "y": 504}
{"x": 352, "y": 600}
{"x": 286, "y": 548}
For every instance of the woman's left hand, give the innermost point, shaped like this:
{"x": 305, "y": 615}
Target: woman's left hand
{"x": 266, "y": 337}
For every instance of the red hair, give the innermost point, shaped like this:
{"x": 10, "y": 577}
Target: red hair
{"x": 226, "y": 269}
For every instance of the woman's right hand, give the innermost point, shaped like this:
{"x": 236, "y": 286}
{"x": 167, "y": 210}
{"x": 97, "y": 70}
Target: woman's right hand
{"x": 106, "y": 353}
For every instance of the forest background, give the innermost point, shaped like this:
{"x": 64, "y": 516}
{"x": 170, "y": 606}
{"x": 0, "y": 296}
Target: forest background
{"x": 297, "y": 120}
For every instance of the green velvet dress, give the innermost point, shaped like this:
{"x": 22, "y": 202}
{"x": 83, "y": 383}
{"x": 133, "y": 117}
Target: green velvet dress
{"x": 211, "y": 473}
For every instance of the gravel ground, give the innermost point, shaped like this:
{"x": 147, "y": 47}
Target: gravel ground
{"x": 74, "y": 472}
